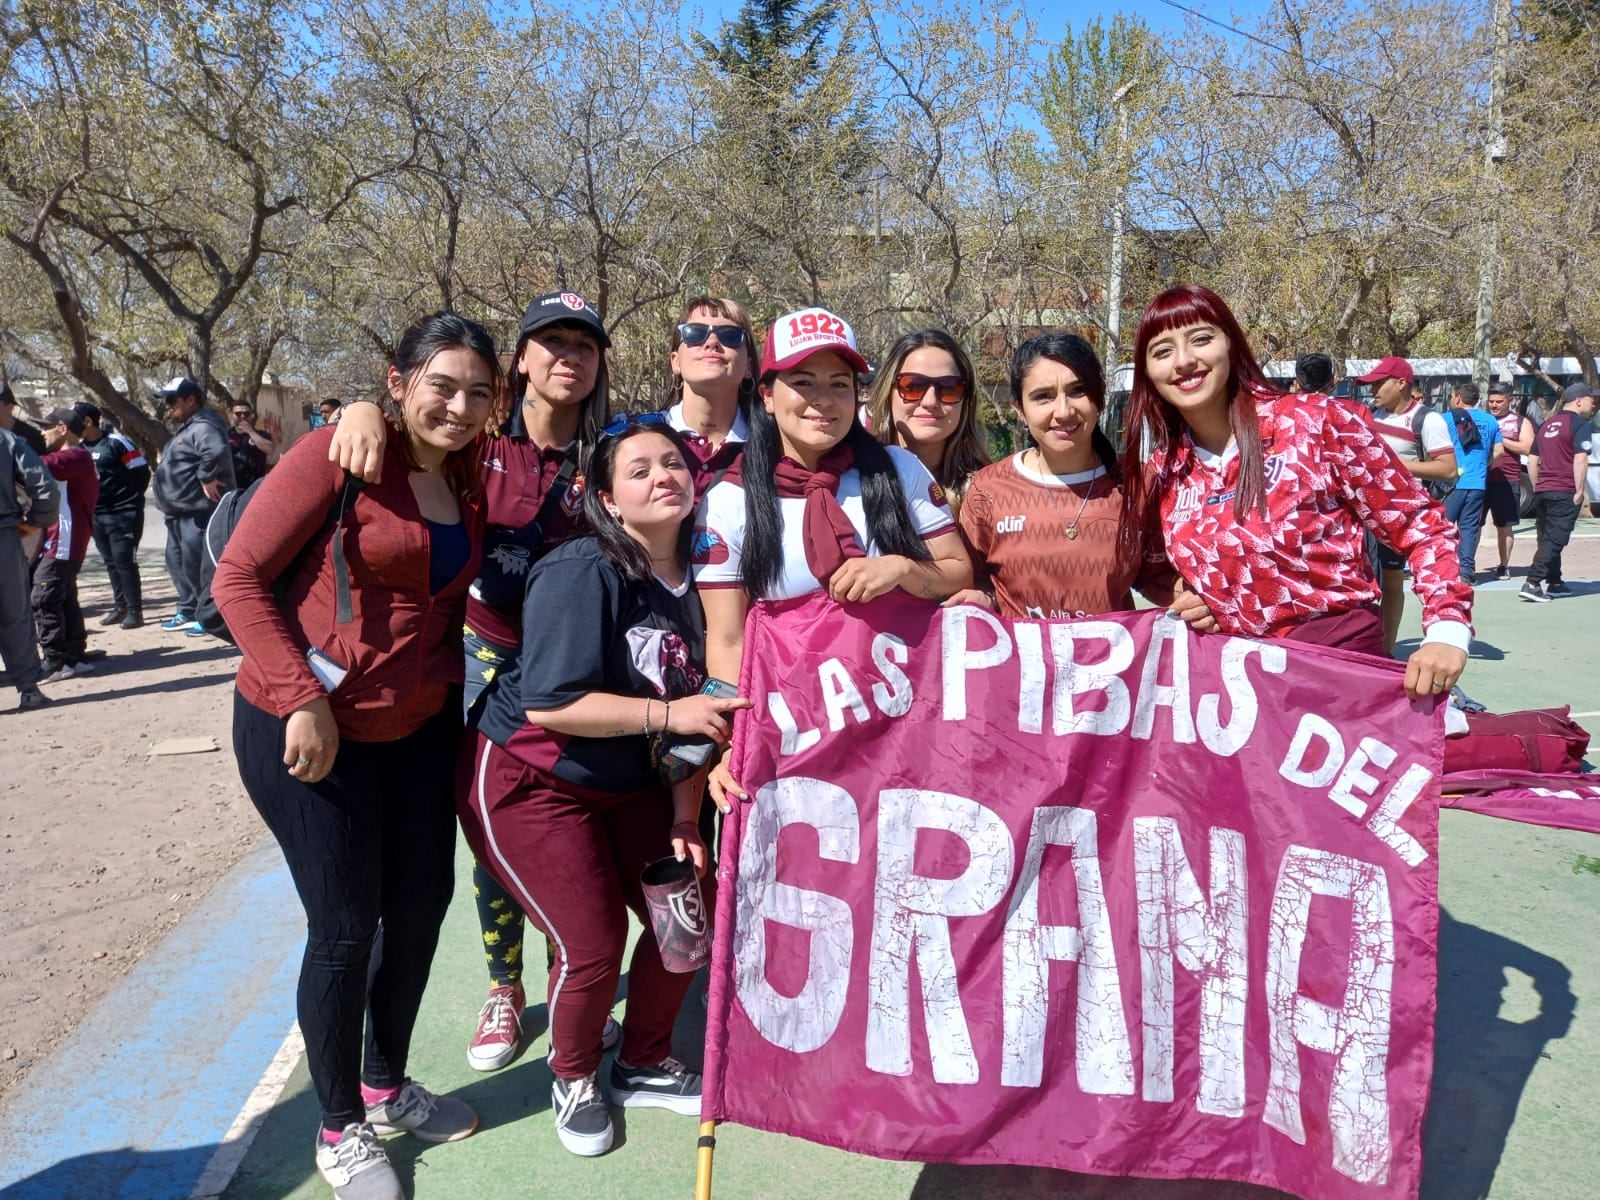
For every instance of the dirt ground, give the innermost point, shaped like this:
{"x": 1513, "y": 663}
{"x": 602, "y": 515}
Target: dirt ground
{"x": 103, "y": 847}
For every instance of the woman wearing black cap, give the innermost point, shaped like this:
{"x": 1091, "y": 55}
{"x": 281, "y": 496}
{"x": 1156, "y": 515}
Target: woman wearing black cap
{"x": 533, "y": 484}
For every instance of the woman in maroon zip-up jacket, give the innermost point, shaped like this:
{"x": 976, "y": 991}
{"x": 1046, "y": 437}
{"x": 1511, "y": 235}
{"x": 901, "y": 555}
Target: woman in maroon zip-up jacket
{"x": 347, "y": 733}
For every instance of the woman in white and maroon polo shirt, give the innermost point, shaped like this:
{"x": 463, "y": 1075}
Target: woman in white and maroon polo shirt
{"x": 1264, "y": 498}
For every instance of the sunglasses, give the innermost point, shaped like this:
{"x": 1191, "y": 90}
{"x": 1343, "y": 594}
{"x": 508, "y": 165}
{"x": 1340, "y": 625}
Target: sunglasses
{"x": 947, "y": 389}
{"x": 240, "y": 413}
{"x": 729, "y": 337}
{"x": 625, "y": 421}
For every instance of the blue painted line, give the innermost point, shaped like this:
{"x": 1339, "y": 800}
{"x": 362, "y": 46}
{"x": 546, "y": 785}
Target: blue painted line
{"x": 135, "y": 1102}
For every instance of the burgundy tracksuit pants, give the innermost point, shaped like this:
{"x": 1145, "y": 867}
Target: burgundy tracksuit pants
{"x": 572, "y": 858}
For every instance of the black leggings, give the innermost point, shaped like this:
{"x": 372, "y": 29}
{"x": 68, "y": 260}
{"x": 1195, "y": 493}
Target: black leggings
{"x": 371, "y": 848}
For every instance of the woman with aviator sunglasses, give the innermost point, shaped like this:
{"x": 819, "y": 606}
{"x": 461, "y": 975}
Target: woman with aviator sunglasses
{"x": 564, "y": 796}
{"x": 531, "y": 467}
{"x": 713, "y": 379}
{"x": 925, "y": 400}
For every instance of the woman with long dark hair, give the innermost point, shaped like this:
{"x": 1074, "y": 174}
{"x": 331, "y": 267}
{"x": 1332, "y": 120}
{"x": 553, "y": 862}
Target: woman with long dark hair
{"x": 1043, "y": 524}
{"x": 925, "y": 399}
{"x": 1263, "y": 499}
{"x": 563, "y": 798}
{"x": 560, "y": 397}
{"x": 816, "y": 504}
{"x": 347, "y": 723}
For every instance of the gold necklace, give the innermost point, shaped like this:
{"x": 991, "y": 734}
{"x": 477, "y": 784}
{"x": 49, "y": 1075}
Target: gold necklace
{"x": 1068, "y": 528}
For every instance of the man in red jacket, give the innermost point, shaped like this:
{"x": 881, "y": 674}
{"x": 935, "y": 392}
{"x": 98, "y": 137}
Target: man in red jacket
{"x": 62, "y": 637}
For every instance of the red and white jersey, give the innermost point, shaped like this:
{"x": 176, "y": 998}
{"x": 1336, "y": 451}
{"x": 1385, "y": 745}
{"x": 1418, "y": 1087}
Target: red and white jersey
{"x": 1328, "y": 474}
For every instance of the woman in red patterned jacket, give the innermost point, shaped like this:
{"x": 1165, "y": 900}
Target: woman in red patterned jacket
{"x": 1264, "y": 498}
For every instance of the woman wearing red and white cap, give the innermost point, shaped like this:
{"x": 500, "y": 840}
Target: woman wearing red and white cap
{"x": 1264, "y": 500}
{"x": 817, "y": 503}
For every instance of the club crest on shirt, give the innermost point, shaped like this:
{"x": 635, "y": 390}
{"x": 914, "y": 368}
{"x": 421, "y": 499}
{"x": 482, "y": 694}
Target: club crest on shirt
{"x": 573, "y": 500}
{"x": 936, "y": 494}
{"x": 1272, "y": 469}
{"x": 709, "y": 548}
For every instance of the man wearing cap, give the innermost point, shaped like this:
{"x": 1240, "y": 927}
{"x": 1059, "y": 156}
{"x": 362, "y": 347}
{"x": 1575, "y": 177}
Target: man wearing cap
{"x": 1562, "y": 444}
{"x": 29, "y": 501}
{"x": 1421, "y": 440}
{"x": 62, "y": 637}
{"x": 25, "y": 433}
{"x": 195, "y": 469}
{"x": 1503, "y": 495}
{"x": 119, "y": 515}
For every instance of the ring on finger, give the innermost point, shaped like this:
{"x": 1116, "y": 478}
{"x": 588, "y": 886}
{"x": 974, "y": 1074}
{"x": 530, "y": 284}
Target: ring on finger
{"x": 302, "y": 761}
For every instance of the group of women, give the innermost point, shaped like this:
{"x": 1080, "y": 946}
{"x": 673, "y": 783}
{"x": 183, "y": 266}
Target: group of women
{"x": 531, "y": 593}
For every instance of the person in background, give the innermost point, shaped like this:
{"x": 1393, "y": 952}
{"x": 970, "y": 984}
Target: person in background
{"x": 24, "y": 432}
{"x": 329, "y": 409}
{"x": 924, "y": 398}
{"x": 195, "y": 469}
{"x": 253, "y": 449}
{"x": 1503, "y": 493}
{"x": 1420, "y": 439}
{"x": 63, "y": 640}
{"x": 1263, "y": 498}
{"x": 1476, "y": 436}
{"x": 119, "y": 514}
{"x": 1563, "y": 444}
{"x": 347, "y": 731}
{"x": 29, "y": 502}
{"x": 714, "y": 377}
{"x": 1315, "y": 373}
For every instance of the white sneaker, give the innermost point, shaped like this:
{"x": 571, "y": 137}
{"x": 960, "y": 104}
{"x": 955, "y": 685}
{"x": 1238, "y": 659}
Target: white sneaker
{"x": 420, "y": 1113}
{"x": 356, "y": 1167}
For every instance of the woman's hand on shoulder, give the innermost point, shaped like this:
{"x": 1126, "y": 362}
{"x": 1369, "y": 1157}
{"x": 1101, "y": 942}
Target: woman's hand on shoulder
{"x": 358, "y": 441}
{"x": 1434, "y": 669}
{"x": 861, "y": 579}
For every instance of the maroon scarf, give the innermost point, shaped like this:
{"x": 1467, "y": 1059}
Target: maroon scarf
{"x": 826, "y": 530}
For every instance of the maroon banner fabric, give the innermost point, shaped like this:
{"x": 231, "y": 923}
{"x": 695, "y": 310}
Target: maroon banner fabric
{"x": 1098, "y": 895}
{"x": 1561, "y": 801}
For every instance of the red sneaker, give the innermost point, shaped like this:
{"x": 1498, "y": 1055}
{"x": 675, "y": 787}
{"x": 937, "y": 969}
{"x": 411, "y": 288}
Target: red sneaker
{"x": 499, "y": 1034}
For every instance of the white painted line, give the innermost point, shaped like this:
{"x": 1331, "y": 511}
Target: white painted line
{"x": 241, "y": 1134}
{"x": 1591, "y": 713}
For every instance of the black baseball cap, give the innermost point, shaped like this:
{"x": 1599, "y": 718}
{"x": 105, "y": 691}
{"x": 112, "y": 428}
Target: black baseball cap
{"x": 1577, "y": 391}
{"x": 565, "y": 308}
{"x": 177, "y": 388}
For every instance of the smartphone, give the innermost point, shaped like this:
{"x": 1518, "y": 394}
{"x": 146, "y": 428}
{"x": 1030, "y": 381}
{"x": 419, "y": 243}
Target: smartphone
{"x": 695, "y": 751}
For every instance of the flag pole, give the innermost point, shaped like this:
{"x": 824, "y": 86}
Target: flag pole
{"x": 702, "y": 1166}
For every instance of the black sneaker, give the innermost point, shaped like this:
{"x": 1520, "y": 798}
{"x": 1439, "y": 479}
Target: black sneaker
{"x": 30, "y": 699}
{"x": 668, "y": 1084}
{"x": 60, "y": 672}
{"x": 133, "y": 621}
{"x": 1533, "y": 594}
{"x": 115, "y": 617}
{"x": 1502, "y": 573}
{"x": 583, "y": 1122}
{"x": 1558, "y": 589}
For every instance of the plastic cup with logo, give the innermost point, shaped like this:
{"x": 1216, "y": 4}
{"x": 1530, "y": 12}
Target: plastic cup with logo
{"x": 678, "y": 915}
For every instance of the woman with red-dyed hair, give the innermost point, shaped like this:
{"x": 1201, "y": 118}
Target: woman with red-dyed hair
{"x": 1264, "y": 498}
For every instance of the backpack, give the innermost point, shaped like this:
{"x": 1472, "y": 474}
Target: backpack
{"x": 1437, "y": 488}
{"x": 220, "y": 528}
{"x": 1467, "y": 430}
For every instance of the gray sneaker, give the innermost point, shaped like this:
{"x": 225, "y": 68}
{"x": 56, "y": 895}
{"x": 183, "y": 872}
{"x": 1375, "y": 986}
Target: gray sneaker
{"x": 30, "y": 699}
{"x": 356, "y": 1167}
{"x": 418, "y": 1111}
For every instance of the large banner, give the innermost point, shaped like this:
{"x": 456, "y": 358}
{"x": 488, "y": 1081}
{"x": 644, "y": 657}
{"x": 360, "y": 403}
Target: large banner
{"x": 1100, "y": 895}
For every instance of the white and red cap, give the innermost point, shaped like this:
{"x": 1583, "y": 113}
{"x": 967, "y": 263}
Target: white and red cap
{"x": 796, "y": 336}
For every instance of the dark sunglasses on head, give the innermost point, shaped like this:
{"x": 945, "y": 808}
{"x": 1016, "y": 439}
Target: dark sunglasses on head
{"x": 729, "y": 337}
{"x": 625, "y": 421}
{"x": 947, "y": 389}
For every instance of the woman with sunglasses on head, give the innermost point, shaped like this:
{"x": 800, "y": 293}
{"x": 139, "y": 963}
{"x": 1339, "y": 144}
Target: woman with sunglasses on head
{"x": 714, "y": 377}
{"x": 1264, "y": 500}
{"x": 816, "y": 504}
{"x": 925, "y": 399}
{"x": 347, "y": 727}
{"x": 1043, "y": 524}
{"x": 531, "y": 466}
{"x": 564, "y": 797}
